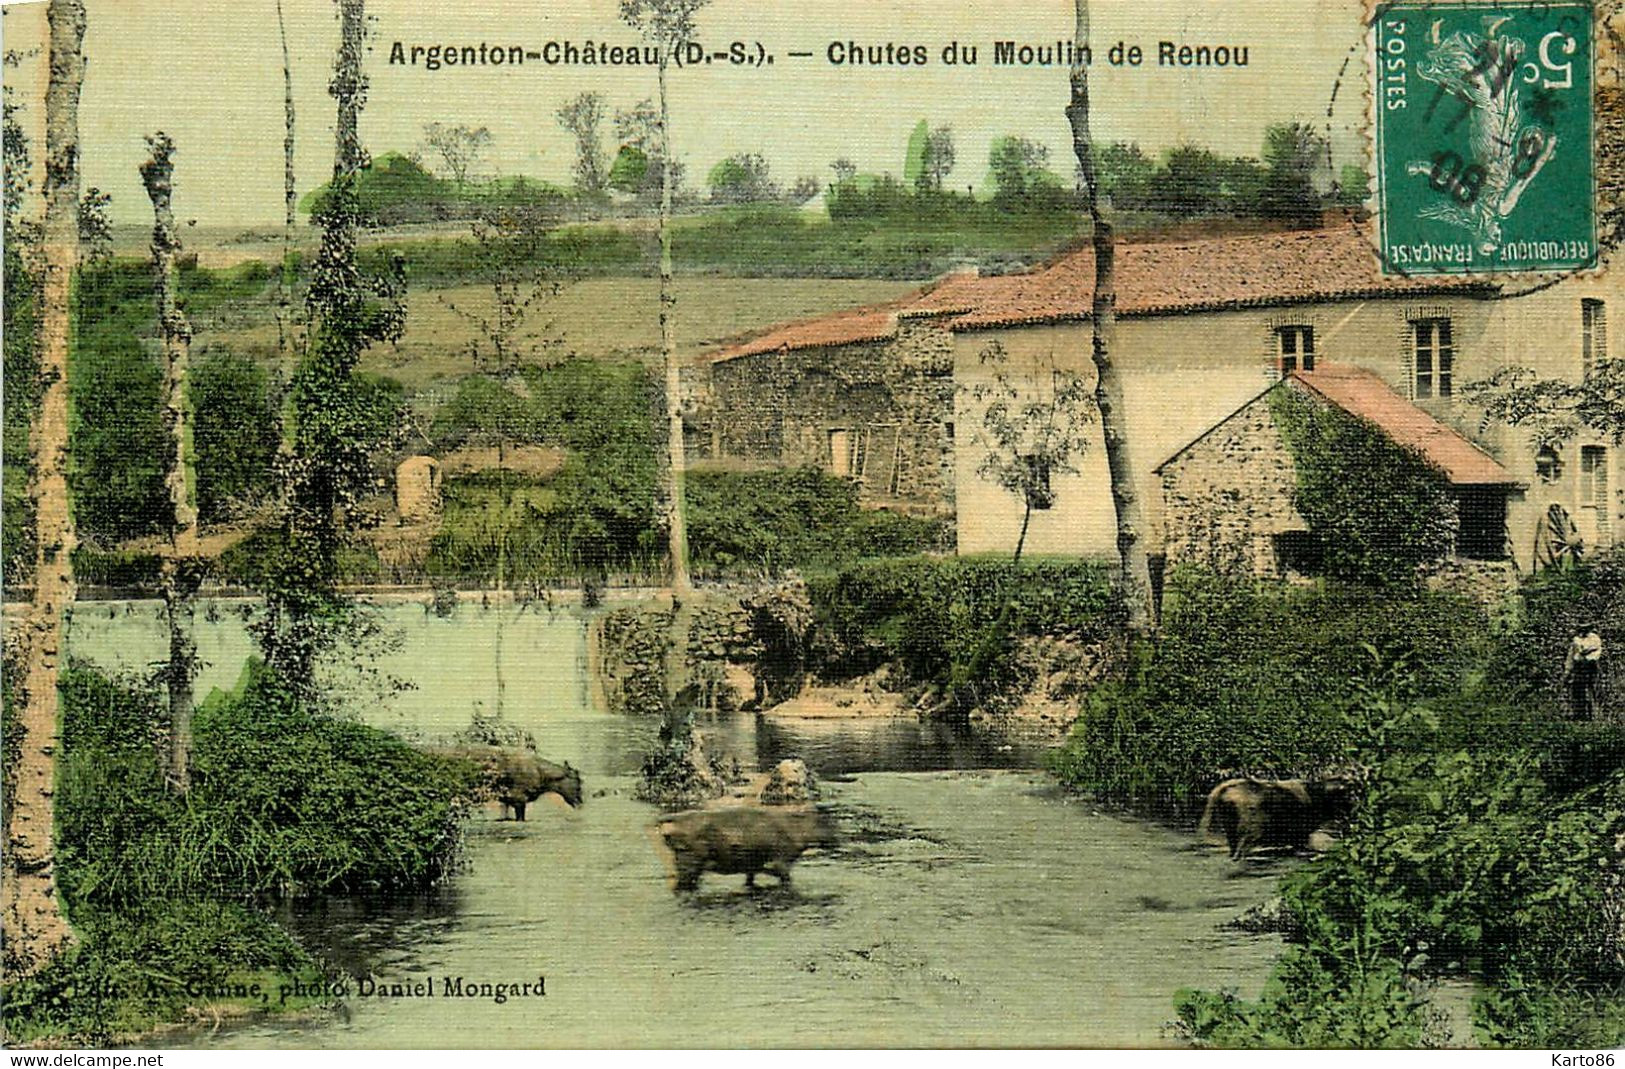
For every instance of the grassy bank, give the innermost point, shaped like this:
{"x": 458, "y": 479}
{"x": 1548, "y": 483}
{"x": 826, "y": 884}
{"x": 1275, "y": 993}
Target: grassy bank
{"x": 164, "y": 889}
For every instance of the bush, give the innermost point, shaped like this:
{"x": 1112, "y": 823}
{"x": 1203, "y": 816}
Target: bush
{"x": 115, "y": 567}
{"x": 282, "y": 802}
{"x": 1555, "y": 603}
{"x": 1456, "y": 864}
{"x": 234, "y": 434}
{"x": 134, "y": 969}
{"x": 1201, "y": 703}
{"x": 764, "y": 522}
{"x": 950, "y": 621}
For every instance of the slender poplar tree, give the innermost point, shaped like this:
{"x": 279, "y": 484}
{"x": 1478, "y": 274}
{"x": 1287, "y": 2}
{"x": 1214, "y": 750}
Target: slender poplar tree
{"x": 1134, "y": 571}
{"x": 34, "y": 925}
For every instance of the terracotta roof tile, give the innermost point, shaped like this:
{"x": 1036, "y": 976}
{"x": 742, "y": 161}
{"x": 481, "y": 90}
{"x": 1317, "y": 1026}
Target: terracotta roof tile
{"x": 1163, "y": 277}
{"x": 1362, "y": 393}
{"x": 1250, "y": 270}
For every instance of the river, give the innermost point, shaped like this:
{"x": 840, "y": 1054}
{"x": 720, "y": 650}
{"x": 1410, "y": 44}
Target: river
{"x": 969, "y": 903}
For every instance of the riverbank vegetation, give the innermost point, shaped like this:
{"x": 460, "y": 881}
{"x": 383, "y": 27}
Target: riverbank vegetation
{"x": 1487, "y": 848}
{"x": 167, "y": 891}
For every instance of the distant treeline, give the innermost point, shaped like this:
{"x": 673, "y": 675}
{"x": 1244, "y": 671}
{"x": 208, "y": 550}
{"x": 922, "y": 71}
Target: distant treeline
{"x": 1291, "y": 179}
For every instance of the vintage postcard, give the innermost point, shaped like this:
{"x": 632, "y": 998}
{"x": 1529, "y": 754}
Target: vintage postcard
{"x": 695, "y": 523}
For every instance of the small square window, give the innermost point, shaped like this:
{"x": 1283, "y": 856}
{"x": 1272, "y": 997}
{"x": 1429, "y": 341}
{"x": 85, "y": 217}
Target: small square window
{"x": 1039, "y": 494}
{"x": 1294, "y": 349}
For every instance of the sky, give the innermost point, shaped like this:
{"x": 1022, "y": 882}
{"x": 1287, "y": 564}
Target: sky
{"x": 209, "y": 72}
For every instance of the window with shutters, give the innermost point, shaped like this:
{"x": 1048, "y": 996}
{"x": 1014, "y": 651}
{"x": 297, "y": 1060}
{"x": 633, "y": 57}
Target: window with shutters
{"x": 1594, "y": 488}
{"x": 1593, "y": 334}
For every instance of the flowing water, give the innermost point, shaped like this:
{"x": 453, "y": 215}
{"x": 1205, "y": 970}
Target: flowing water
{"x": 969, "y": 902}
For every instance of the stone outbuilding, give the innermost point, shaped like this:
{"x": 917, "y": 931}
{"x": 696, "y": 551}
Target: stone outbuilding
{"x": 1227, "y": 496}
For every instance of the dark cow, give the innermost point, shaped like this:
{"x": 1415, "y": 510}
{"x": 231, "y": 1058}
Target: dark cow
{"x": 1254, "y": 813}
{"x": 742, "y": 839}
{"x": 516, "y": 777}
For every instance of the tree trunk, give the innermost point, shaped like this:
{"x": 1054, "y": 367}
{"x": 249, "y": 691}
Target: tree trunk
{"x": 35, "y": 928}
{"x": 1021, "y": 540}
{"x": 1134, "y": 571}
{"x": 348, "y": 87}
{"x": 678, "y": 526}
{"x": 504, "y": 505}
{"x": 181, "y": 561}
{"x": 290, "y": 198}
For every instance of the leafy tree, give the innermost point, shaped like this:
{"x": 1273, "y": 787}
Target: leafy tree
{"x": 1293, "y": 152}
{"x": 582, "y": 117}
{"x": 667, "y": 24}
{"x": 805, "y": 189}
{"x": 742, "y": 178}
{"x": 459, "y": 146}
{"x": 1188, "y": 183}
{"x": 914, "y": 156}
{"x": 630, "y": 171}
{"x": 182, "y": 567}
{"x": 1125, "y": 174}
{"x": 939, "y": 158}
{"x": 1353, "y": 185}
{"x": 95, "y": 228}
{"x": 845, "y": 170}
{"x": 1030, "y": 435}
{"x": 643, "y": 168}
{"x": 234, "y": 435}
{"x": 1555, "y": 410}
{"x": 1017, "y": 166}
{"x": 332, "y": 420}
{"x": 1242, "y": 186}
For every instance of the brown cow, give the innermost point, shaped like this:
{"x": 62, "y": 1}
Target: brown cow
{"x": 742, "y": 839}
{"x": 1253, "y": 812}
{"x": 516, "y": 777}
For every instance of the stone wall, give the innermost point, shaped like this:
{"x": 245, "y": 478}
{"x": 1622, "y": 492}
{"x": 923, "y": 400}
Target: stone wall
{"x": 879, "y": 411}
{"x": 1229, "y": 494}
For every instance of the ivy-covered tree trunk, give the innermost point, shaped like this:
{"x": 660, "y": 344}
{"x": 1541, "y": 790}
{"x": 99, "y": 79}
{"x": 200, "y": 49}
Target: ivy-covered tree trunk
{"x": 1134, "y": 566}
{"x": 666, "y": 24}
{"x": 182, "y": 561}
{"x": 34, "y": 926}
{"x": 290, "y": 197}
{"x": 677, "y": 528}
{"x": 327, "y": 463}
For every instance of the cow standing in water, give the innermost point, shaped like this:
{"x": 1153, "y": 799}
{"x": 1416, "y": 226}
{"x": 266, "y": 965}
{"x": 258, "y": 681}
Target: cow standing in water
{"x": 516, "y": 777}
{"x": 1253, "y": 813}
{"x": 742, "y": 839}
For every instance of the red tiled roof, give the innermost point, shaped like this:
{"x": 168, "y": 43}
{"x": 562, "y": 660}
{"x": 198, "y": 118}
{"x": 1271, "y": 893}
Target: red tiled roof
{"x": 1161, "y": 277}
{"x": 877, "y": 323}
{"x": 956, "y": 293}
{"x": 1361, "y": 393}
{"x": 1255, "y": 269}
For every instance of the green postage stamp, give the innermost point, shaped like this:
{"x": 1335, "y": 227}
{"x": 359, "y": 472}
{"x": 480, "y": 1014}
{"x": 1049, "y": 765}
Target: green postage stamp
{"x": 1484, "y": 132}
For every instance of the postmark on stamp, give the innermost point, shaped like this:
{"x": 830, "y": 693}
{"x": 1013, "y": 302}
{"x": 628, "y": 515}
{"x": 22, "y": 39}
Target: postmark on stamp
{"x": 1484, "y": 137}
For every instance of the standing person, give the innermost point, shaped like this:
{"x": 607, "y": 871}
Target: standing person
{"x": 1583, "y": 668}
